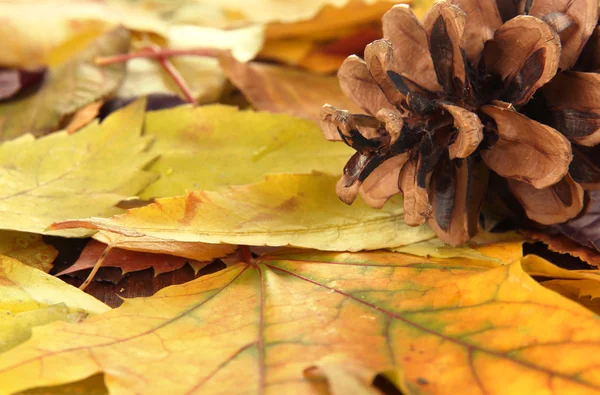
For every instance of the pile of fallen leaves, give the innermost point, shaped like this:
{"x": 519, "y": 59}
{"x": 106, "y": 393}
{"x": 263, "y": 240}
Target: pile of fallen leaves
{"x": 180, "y": 140}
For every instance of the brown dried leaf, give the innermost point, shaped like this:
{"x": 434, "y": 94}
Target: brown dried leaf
{"x": 285, "y": 90}
{"x": 445, "y": 25}
{"x": 470, "y": 131}
{"x": 574, "y": 102}
{"x": 583, "y": 14}
{"x": 411, "y": 49}
{"x": 551, "y": 205}
{"x": 483, "y": 19}
{"x": 564, "y": 245}
{"x": 83, "y": 116}
{"x": 525, "y": 53}
{"x": 547, "y": 151}
{"x": 382, "y": 183}
{"x": 358, "y": 84}
{"x": 128, "y": 261}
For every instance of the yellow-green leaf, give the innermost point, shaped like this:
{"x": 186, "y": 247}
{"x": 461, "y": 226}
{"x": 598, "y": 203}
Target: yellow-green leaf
{"x": 23, "y": 288}
{"x": 496, "y": 247}
{"x": 286, "y": 209}
{"x": 64, "y": 176}
{"x": 212, "y": 146}
{"x": 15, "y": 328}
{"x": 69, "y": 87}
{"x": 443, "y": 326}
{"x": 28, "y": 248}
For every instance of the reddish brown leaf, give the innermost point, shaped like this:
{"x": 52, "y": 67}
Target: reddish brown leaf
{"x": 285, "y": 90}
{"x": 129, "y": 261}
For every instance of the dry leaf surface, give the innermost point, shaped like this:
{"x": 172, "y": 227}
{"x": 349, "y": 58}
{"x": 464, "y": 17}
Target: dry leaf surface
{"x": 443, "y": 326}
{"x": 296, "y": 210}
{"x": 63, "y": 176}
{"x": 214, "y": 146}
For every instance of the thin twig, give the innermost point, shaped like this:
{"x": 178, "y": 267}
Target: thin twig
{"x": 178, "y": 79}
{"x": 162, "y": 53}
{"x": 90, "y": 276}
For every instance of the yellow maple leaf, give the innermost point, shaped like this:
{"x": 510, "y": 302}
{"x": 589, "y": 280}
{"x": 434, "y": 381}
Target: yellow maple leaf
{"x": 500, "y": 248}
{"x": 30, "y": 297}
{"x": 212, "y": 146}
{"x": 64, "y": 176}
{"x": 286, "y": 209}
{"x": 28, "y": 248}
{"x": 437, "y": 326}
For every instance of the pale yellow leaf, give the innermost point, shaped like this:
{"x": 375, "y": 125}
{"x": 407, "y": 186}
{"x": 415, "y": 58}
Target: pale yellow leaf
{"x": 213, "y": 146}
{"x": 63, "y": 176}
{"x": 191, "y": 250}
{"x": 23, "y": 288}
{"x": 28, "y": 248}
{"x": 286, "y": 209}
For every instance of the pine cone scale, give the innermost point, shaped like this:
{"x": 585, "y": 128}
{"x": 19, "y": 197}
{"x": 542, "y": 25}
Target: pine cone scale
{"x": 443, "y": 100}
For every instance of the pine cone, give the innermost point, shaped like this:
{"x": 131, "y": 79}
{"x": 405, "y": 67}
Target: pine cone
{"x": 442, "y": 99}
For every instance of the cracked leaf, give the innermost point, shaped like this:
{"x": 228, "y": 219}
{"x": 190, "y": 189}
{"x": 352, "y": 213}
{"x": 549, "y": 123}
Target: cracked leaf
{"x": 443, "y": 326}
{"x": 285, "y": 209}
{"x": 198, "y": 146}
{"x": 64, "y": 176}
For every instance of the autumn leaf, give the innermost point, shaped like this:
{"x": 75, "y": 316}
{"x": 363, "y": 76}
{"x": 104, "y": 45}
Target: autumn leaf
{"x": 295, "y": 210}
{"x": 49, "y": 32}
{"x": 565, "y": 245}
{"x": 285, "y": 90}
{"x": 30, "y": 297}
{"x": 28, "y": 248}
{"x": 68, "y": 88}
{"x": 129, "y": 261}
{"x": 193, "y": 250}
{"x": 212, "y": 146}
{"x": 443, "y": 326}
{"x": 60, "y": 176}
{"x": 502, "y": 248}
{"x": 203, "y": 75}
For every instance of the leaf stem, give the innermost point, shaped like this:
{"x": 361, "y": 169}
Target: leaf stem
{"x": 161, "y": 54}
{"x": 246, "y": 254}
{"x": 90, "y": 276}
{"x": 156, "y": 54}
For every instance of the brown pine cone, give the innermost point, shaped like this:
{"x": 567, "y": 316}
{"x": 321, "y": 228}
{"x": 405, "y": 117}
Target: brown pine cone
{"x": 442, "y": 98}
